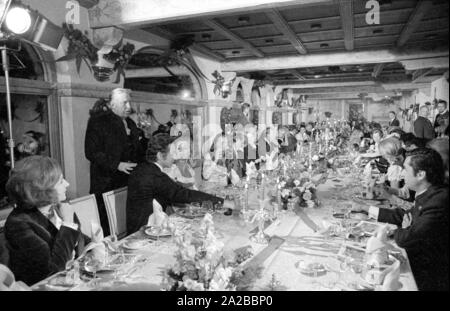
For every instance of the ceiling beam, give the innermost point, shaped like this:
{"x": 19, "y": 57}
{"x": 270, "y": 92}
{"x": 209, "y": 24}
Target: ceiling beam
{"x": 232, "y": 36}
{"x": 346, "y": 11}
{"x": 421, "y": 9}
{"x": 296, "y": 74}
{"x": 328, "y": 84}
{"x": 331, "y": 59}
{"x": 436, "y": 62}
{"x": 157, "y": 72}
{"x": 135, "y": 13}
{"x": 377, "y": 70}
{"x": 420, "y": 73}
{"x": 283, "y": 27}
{"x": 198, "y": 47}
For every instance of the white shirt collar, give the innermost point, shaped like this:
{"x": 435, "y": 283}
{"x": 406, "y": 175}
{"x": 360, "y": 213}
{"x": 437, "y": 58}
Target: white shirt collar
{"x": 55, "y": 220}
{"x": 160, "y": 167}
{"x": 421, "y": 192}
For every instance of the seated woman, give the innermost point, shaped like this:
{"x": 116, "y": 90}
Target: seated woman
{"x": 356, "y": 136}
{"x": 181, "y": 171}
{"x": 391, "y": 150}
{"x": 40, "y": 231}
{"x": 215, "y": 171}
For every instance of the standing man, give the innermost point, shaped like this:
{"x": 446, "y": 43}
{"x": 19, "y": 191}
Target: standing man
{"x": 393, "y": 121}
{"x": 422, "y": 126}
{"x": 112, "y": 146}
{"x": 441, "y": 121}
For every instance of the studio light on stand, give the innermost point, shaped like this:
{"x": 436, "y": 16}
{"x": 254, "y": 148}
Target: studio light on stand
{"x": 20, "y": 23}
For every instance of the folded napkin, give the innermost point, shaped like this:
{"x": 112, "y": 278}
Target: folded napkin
{"x": 234, "y": 177}
{"x": 158, "y": 218}
{"x": 8, "y": 281}
{"x": 391, "y": 280}
{"x": 250, "y": 169}
{"x": 377, "y": 248}
{"x": 97, "y": 245}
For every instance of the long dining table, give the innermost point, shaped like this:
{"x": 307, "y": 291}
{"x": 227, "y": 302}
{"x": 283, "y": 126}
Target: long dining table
{"x": 295, "y": 237}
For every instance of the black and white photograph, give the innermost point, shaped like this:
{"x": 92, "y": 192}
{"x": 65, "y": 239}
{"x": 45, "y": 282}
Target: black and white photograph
{"x": 245, "y": 147}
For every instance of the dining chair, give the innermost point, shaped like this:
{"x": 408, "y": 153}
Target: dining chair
{"x": 87, "y": 212}
{"x": 116, "y": 203}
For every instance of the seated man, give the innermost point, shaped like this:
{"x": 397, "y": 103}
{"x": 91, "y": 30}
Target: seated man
{"x": 423, "y": 231}
{"x": 148, "y": 182}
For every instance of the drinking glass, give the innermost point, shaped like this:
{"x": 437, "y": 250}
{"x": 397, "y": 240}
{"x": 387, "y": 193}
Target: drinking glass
{"x": 208, "y": 206}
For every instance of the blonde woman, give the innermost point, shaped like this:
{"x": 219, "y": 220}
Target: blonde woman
{"x": 391, "y": 149}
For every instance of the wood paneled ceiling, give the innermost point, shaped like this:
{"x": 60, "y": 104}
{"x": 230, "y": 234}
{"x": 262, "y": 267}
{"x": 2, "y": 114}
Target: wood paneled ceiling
{"x": 334, "y": 26}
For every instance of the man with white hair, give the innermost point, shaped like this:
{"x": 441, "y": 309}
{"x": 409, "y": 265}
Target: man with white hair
{"x": 112, "y": 146}
{"x": 422, "y": 126}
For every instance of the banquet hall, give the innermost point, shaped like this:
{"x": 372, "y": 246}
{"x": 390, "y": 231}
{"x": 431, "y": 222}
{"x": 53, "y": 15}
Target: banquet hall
{"x": 240, "y": 145}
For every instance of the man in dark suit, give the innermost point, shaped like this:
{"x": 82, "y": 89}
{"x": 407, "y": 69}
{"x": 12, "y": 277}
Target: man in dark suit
{"x": 442, "y": 118}
{"x": 148, "y": 182}
{"x": 424, "y": 230}
{"x": 393, "y": 121}
{"x": 422, "y": 126}
{"x": 112, "y": 146}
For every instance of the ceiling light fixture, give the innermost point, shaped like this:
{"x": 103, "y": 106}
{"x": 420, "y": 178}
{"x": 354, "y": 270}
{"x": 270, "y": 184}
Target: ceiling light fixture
{"x": 316, "y": 26}
{"x": 324, "y": 45}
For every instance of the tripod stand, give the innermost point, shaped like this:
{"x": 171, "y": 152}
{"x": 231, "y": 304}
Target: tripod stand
{"x": 5, "y": 64}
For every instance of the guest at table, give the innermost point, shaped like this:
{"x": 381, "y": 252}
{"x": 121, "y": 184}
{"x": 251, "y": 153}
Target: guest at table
{"x": 148, "y": 182}
{"x": 181, "y": 170}
{"x": 250, "y": 150}
{"x": 41, "y": 232}
{"x": 356, "y": 135}
{"x": 411, "y": 142}
{"x": 424, "y": 230}
{"x": 442, "y": 118}
{"x": 422, "y": 126}
{"x": 391, "y": 149}
{"x": 112, "y": 146}
{"x": 393, "y": 121}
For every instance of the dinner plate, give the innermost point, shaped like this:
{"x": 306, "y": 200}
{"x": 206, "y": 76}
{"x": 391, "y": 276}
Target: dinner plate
{"x": 135, "y": 245}
{"x": 185, "y": 212}
{"x": 59, "y": 283}
{"x": 155, "y": 233}
{"x": 360, "y": 199}
{"x": 311, "y": 268}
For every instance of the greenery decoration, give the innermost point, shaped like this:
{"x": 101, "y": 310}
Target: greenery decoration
{"x": 81, "y": 49}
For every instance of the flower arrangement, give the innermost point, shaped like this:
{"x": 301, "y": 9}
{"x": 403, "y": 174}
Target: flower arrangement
{"x": 202, "y": 264}
{"x": 81, "y": 49}
{"x": 303, "y": 189}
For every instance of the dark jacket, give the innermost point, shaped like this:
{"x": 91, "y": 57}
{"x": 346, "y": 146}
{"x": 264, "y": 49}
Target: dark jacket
{"x": 441, "y": 122}
{"x": 426, "y": 240}
{"x": 106, "y": 145}
{"x": 37, "y": 249}
{"x": 148, "y": 182}
{"x": 423, "y": 128}
{"x": 394, "y": 122}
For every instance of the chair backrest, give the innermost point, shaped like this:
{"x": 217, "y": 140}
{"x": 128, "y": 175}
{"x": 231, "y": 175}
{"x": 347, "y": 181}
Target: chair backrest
{"x": 87, "y": 212}
{"x": 116, "y": 203}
